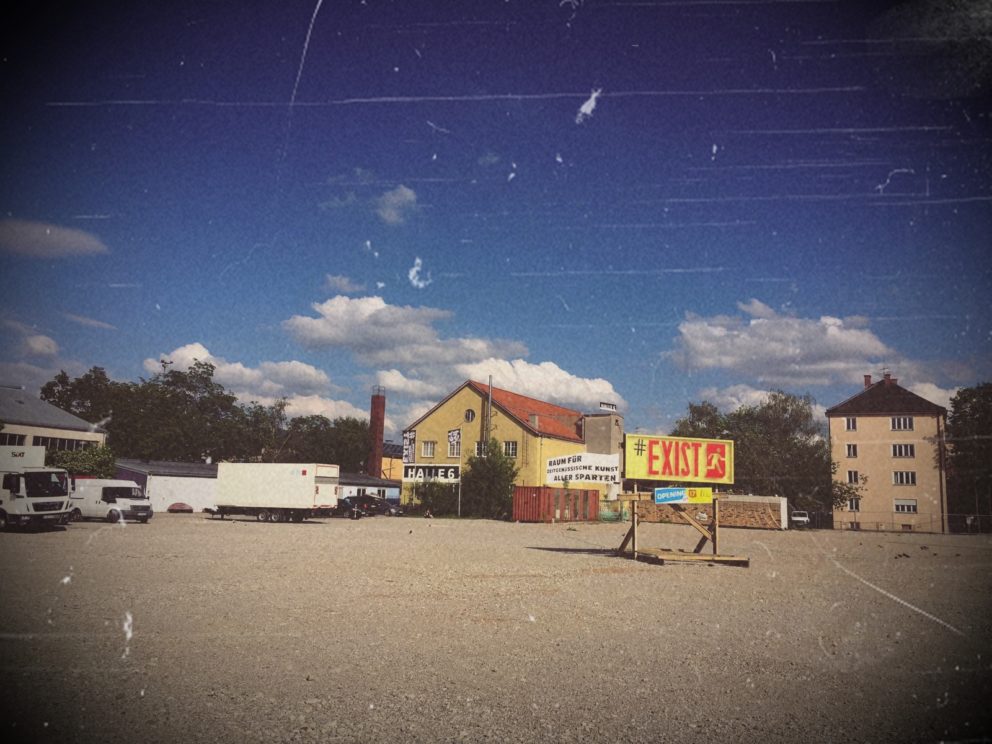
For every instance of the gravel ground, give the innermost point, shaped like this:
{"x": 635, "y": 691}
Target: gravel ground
{"x": 405, "y": 629}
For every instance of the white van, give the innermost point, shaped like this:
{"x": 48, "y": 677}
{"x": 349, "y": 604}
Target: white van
{"x": 112, "y": 500}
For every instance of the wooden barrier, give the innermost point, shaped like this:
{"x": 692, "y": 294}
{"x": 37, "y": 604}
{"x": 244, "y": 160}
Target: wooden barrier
{"x": 664, "y": 555}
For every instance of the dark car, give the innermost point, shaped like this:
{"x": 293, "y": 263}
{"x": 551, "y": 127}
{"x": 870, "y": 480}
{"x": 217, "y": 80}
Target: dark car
{"x": 377, "y": 505}
{"x": 347, "y": 507}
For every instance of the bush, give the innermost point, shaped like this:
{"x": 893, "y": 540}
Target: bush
{"x": 487, "y": 484}
{"x": 439, "y": 498}
{"x": 95, "y": 461}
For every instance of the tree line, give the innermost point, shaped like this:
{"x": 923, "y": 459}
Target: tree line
{"x": 187, "y": 416}
{"x": 780, "y": 448}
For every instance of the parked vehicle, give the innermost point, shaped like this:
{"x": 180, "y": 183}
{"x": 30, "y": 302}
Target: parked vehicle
{"x": 110, "y": 500}
{"x": 377, "y": 505}
{"x": 32, "y": 494}
{"x": 348, "y": 507}
{"x": 800, "y": 518}
{"x": 276, "y": 492}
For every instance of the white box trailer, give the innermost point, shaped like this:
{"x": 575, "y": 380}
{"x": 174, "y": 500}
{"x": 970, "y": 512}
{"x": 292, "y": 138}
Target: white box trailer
{"x": 276, "y": 492}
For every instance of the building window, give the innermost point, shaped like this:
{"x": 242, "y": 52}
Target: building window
{"x": 60, "y": 444}
{"x": 427, "y": 449}
{"x": 902, "y": 423}
{"x": 854, "y": 504}
{"x": 11, "y": 440}
{"x": 852, "y": 450}
{"x": 904, "y": 478}
{"x": 454, "y": 447}
{"x": 852, "y": 477}
{"x": 851, "y": 423}
{"x": 904, "y": 450}
{"x": 905, "y": 506}
{"x": 478, "y": 449}
{"x": 510, "y": 449}
{"x": 469, "y": 415}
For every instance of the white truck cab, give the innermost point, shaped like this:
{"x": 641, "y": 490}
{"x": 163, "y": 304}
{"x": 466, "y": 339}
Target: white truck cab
{"x": 32, "y": 494}
{"x": 110, "y": 500}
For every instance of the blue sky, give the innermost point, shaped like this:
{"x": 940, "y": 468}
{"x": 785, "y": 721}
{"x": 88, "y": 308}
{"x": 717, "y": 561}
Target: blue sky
{"x": 646, "y": 203}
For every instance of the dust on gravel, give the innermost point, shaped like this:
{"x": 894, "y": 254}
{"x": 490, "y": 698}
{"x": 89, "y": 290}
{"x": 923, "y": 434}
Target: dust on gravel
{"x": 405, "y": 629}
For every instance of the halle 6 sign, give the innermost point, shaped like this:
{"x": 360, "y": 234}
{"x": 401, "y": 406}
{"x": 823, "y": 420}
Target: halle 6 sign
{"x": 648, "y": 457}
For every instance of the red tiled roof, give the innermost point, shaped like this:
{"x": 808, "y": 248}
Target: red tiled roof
{"x": 550, "y": 421}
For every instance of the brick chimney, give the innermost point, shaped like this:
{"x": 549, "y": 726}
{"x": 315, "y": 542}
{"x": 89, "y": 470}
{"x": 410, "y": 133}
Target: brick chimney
{"x": 867, "y": 381}
{"x": 889, "y": 379}
{"x": 377, "y": 425}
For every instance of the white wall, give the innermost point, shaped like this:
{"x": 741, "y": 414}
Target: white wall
{"x": 165, "y": 490}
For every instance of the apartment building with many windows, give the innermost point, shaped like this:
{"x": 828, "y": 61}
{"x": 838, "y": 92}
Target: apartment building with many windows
{"x": 890, "y": 441}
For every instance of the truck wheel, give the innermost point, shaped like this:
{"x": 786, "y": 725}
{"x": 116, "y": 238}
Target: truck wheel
{"x": 278, "y": 515}
{"x": 3, "y": 520}
{"x": 263, "y": 515}
{"x": 298, "y": 516}
{"x": 113, "y": 516}
{"x": 75, "y": 515}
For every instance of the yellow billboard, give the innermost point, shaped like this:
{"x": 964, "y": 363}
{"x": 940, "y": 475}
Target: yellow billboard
{"x": 661, "y": 458}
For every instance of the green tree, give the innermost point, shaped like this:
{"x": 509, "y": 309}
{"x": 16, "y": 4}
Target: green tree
{"x": 487, "y": 484}
{"x": 92, "y": 397}
{"x": 343, "y": 441}
{"x": 779, "y": 449}
{"x": 969, "y": 451}
{"x": 98, "y": 462}
{"x": 264, "y": 434}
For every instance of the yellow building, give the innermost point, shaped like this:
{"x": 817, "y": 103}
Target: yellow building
{"x": 890, "y": 440}
{"x": 530, "y": 431}
{"x": 392, "y": 461}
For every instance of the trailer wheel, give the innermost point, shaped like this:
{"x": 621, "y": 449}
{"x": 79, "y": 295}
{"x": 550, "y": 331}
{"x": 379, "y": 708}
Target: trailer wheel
{"x": 278, "y": 515}
{"x": 3, "y": 520}
{"x": 113, "y": 516}
{"x": 298, "y": 516}
{"x": 263, "y": 515}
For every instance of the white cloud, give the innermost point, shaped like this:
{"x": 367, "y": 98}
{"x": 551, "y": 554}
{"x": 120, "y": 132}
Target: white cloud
{"x": 544, "y": 381}
{"x": 756, "y": 309}
{"x": 83, "y": 320}
{"x": 777, "y": 349}
{"x": 269, "y": 379}
{"x": 733, "y": 397}
{"x": 381, "y": 335}
{"x": 934, "y": 393}
{"x": 395, "y": 381}
{"x": 315, "y": 405}
{"x": 394, "y": 205}
{"x": 39, "y": 345}
{"x": 44, "y": 240}
{"x": 338, "y": 283}
{"x": 31, "y": 376}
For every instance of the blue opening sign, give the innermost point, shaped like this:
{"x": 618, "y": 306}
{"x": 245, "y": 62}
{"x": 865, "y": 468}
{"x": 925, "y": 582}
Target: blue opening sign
{"x": 683, "y": 495}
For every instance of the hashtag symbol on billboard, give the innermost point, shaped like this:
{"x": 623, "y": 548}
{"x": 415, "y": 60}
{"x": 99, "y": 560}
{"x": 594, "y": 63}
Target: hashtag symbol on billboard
{"x": 639, "y": 447}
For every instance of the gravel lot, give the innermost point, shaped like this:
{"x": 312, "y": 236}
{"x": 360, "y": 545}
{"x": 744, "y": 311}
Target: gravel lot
{"x": 406, "y": 629}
